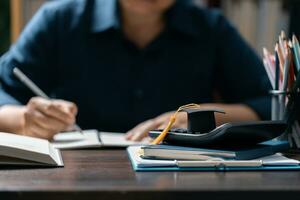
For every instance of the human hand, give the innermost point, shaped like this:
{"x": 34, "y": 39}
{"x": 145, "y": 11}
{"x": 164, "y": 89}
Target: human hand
{"x": 141, "y": 130}
{"x": 44, "y": 118}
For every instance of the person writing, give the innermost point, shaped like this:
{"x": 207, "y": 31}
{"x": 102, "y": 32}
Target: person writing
{"x": 126, "y": 65}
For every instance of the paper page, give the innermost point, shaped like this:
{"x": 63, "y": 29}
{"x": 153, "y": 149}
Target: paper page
{"x": 56, "y": 156}
{"x": 24, "y": 143}
{"x": 110, "y": 139}
{"x": 4, "y": 160}
{"x": 57, "y": 161}
{"x": 278, "y": 159}
{"x": 28, "y": 148}
{"x": 69, "y": 136}
{"x": 89, "y": 139}
{"x": 76, "y": 140}
{"x": 135, "y": 155}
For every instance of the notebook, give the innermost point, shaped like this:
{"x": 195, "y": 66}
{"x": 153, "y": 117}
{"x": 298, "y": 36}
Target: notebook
{"x": 24, "y": 150}
{"x": 273, "y": 162}
{"x": 187, "y": 153}
{"x": 91, "y": 139}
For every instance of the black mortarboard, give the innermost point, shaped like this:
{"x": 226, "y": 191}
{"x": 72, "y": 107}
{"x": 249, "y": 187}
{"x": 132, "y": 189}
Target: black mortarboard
{"x": 201, "y": 120}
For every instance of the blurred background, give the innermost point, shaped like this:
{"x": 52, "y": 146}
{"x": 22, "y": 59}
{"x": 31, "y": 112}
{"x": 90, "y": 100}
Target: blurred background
{"x": 259, "y": 21}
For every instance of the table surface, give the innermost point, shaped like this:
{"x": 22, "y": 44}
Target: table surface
{"x": 107, "y": 173}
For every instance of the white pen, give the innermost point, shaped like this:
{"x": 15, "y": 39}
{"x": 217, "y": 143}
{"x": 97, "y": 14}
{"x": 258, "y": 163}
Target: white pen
{"x": 35, "y": 89}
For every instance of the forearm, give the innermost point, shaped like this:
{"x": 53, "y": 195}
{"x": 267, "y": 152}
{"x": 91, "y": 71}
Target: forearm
{"x": 234, "y": 113}
{"x": 12, "y": 118}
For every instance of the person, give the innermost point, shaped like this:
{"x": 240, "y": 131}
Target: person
{"x": 126, "y": 65}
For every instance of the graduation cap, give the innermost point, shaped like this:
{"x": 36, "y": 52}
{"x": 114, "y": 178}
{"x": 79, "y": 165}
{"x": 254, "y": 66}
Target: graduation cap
{"x": 201, "y": 120}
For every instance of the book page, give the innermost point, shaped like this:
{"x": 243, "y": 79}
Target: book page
{"x": 76, "y": 140}
{"x": 5, "y": 160}
{"x": 134, "y": 154}
{"x": 278, "y": 159}
{"x": 90, "y": 139}
{"x": 110, "y": 139}
{"x": 25, "y": 143}
{"x": 56, "y": 156}
{"x": 29, "y": 148}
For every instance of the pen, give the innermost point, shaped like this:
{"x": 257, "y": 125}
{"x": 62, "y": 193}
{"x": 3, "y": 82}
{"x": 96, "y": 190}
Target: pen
{"x": 292, "y": 75}
{"x": 296, "y": 52}
{"x": 295, "y": 70}
{"x": 35, "y": 89}
{"x": 277, "y": 71}
{"x": 268, "y": 67}
{"x": 281, "y": 59}
{"x": 286, "y": 72}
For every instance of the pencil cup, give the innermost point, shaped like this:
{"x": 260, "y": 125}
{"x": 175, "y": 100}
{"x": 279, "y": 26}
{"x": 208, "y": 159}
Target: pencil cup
{"x": 278, "y": 108}
{"x": 278, "y": 104}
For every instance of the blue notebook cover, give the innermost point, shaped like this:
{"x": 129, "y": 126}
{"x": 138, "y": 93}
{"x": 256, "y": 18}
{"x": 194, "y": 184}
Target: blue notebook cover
{"x": 264, "y": 149}
{"x": 170, "y": 166}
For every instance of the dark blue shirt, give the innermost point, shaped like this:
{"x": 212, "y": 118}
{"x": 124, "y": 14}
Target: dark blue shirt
{"x": 76, "y": 50}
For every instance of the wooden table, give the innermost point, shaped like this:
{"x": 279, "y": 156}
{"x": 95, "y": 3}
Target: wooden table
{"x": 107, "y": 174}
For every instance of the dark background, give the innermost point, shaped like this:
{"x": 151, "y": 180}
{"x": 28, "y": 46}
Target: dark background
{"x": 292, "y": 5}
{"x": 4, "y": 26}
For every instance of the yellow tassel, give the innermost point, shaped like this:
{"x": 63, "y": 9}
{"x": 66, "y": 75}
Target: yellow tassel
{"x": 164, "y": 133}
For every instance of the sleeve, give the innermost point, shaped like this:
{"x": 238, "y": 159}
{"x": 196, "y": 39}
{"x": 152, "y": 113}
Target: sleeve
{"x": 33, "y": 54}
{"x": 241, "y": 77}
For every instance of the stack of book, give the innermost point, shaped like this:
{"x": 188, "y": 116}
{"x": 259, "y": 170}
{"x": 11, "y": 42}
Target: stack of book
{"x": 263, "y": 156}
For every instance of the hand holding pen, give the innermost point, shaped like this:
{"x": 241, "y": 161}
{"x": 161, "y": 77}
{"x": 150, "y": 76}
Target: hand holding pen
{"x": 44, "y": 117}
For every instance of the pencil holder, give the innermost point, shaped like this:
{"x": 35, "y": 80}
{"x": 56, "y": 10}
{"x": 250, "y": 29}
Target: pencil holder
{"x": 278, "y": 104}
{"x": 292, "y": 116}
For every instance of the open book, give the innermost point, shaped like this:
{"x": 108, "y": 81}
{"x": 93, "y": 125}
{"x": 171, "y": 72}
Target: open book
{"x": 24, "y": 150}
{"x": 90, "y": 139}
